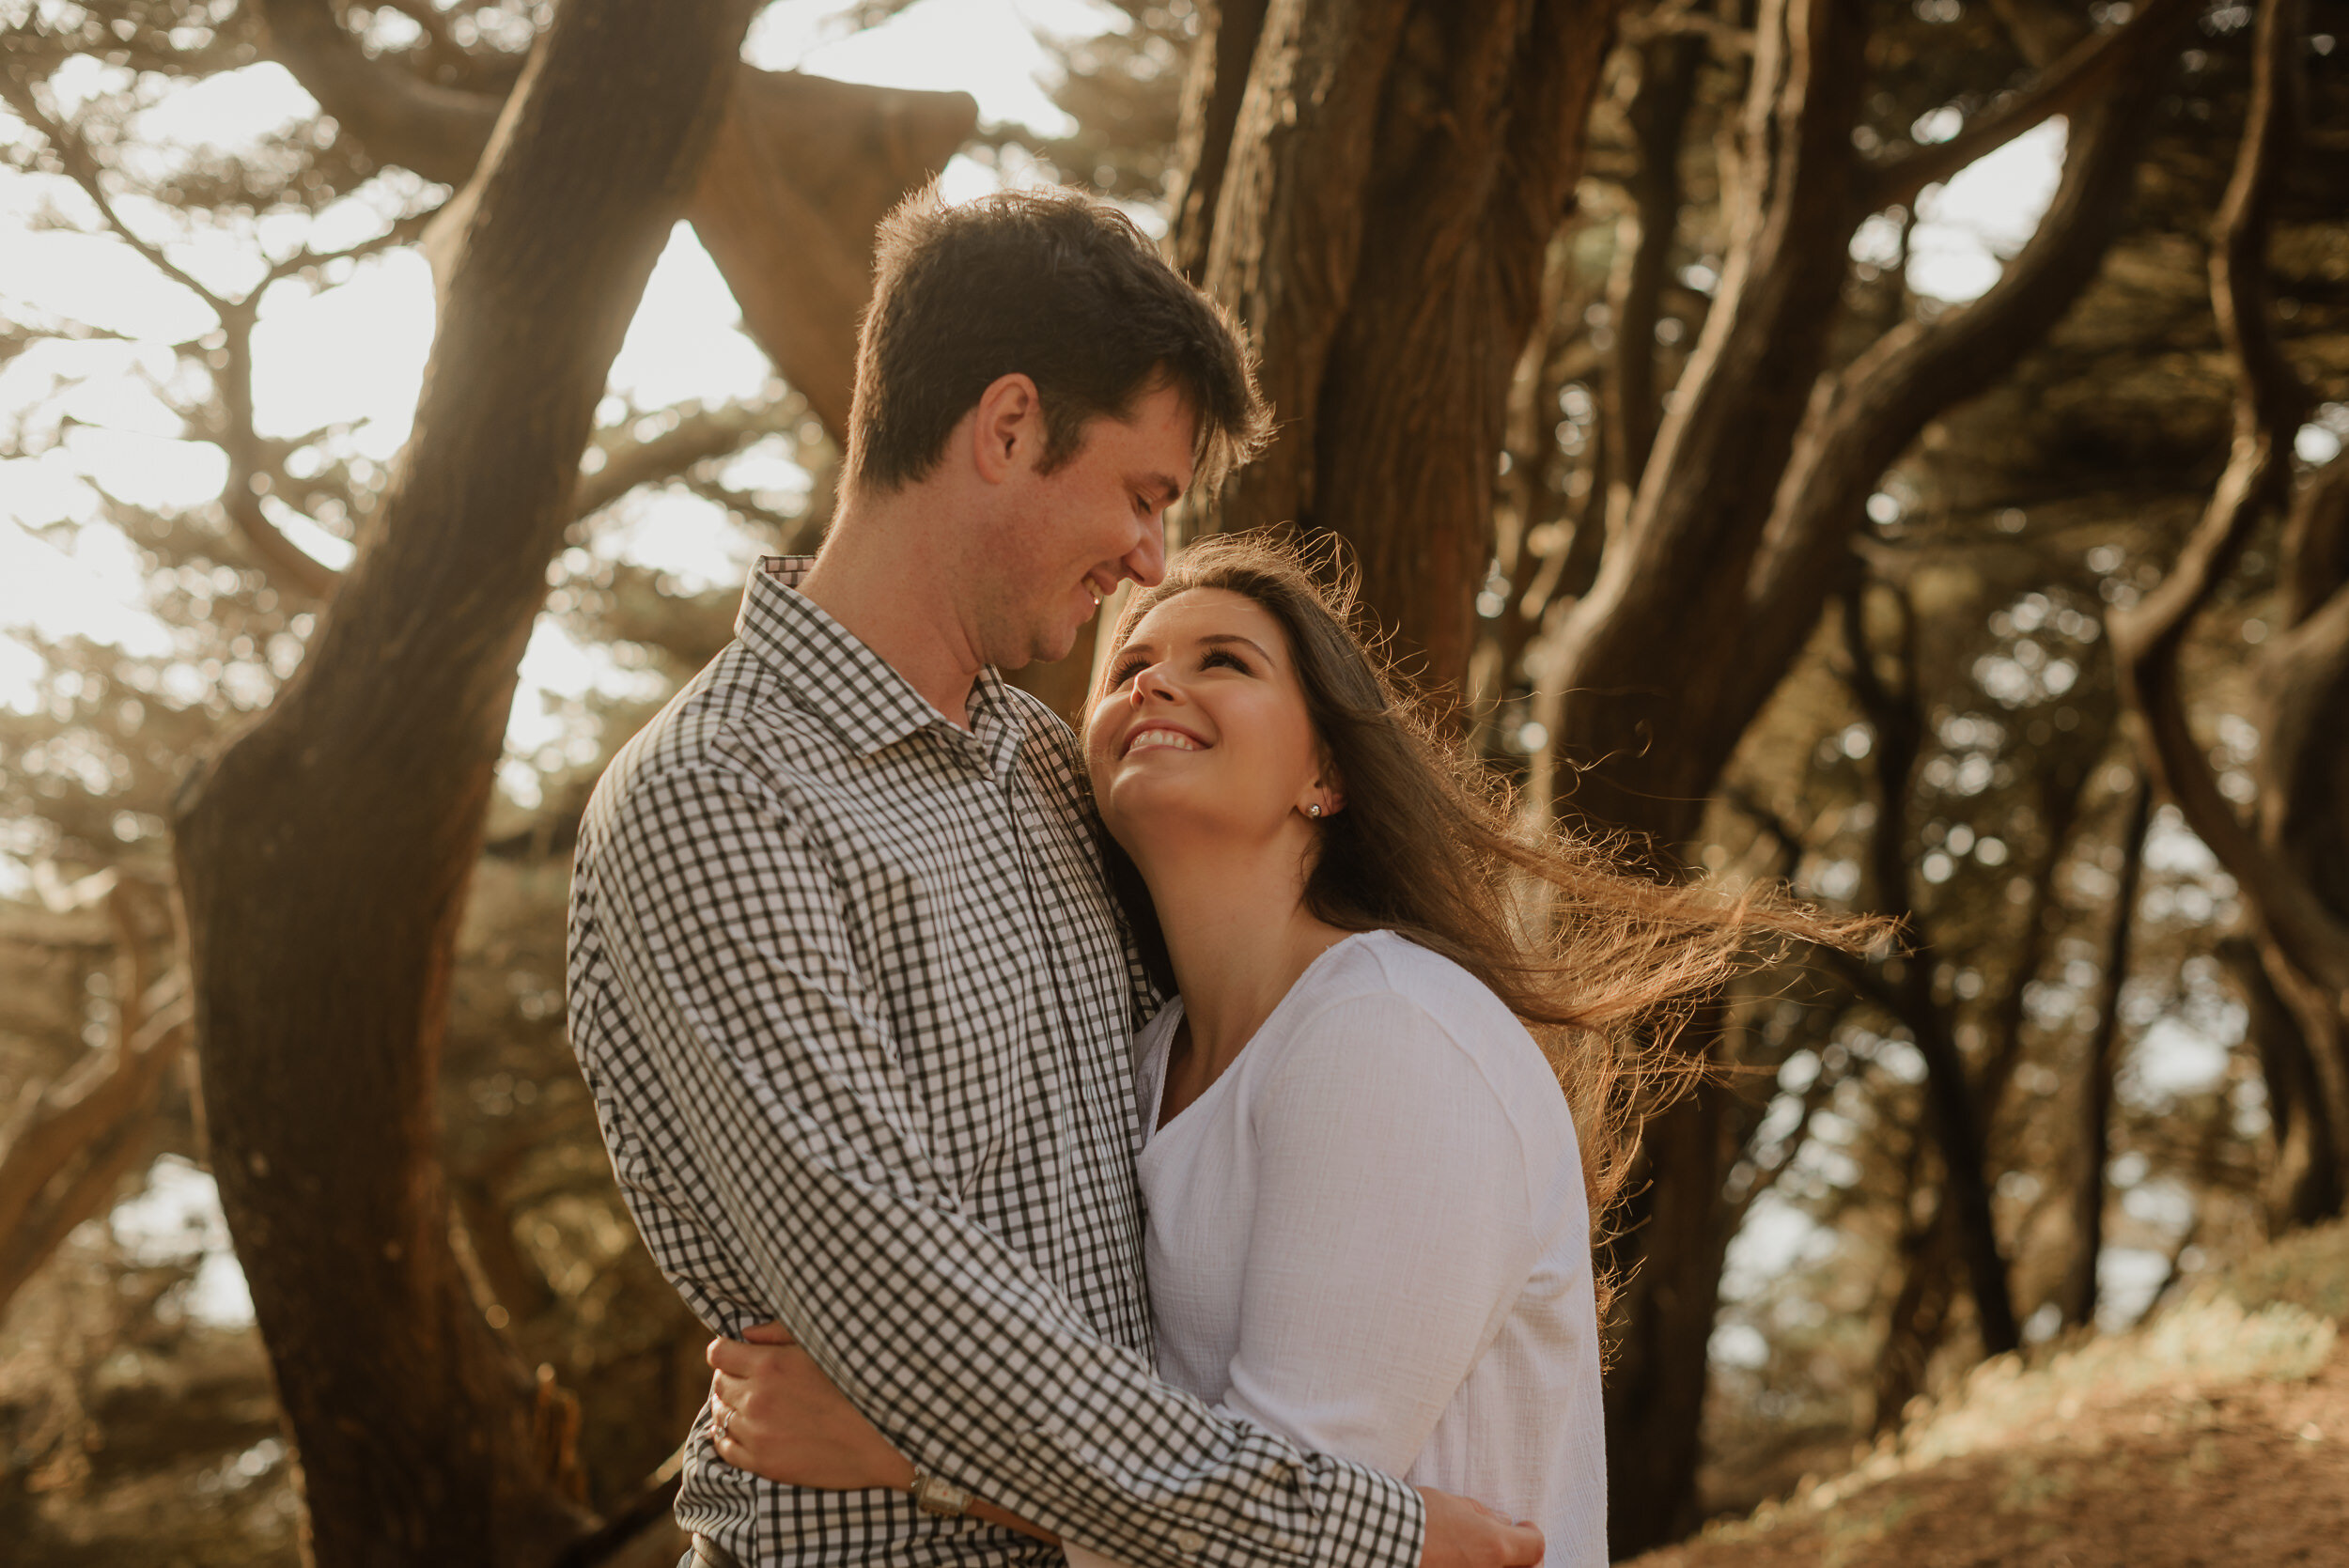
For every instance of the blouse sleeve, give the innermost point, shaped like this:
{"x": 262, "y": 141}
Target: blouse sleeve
{"x": 1392, "y": 1231}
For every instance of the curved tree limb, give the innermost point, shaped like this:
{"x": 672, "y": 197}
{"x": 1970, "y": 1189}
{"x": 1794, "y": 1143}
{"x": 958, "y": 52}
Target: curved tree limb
{"x": 2081, "y": 77}
{"x": 799, "y": 172}
{"x": 2269, "y": 405}
{"x": 400, "y": 117}
{"x": 1617, "y": 659}
{"x": 703, "y": 434}
{"x": 1865, "y": 416}
{"x": 70, "y": 1143}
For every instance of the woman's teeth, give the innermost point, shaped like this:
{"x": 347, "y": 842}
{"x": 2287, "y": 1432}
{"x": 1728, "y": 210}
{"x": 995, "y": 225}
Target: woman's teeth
{"x": 1162, "y": 738}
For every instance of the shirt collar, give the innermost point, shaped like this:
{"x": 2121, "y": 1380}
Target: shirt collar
{"x": 853, "y": 689}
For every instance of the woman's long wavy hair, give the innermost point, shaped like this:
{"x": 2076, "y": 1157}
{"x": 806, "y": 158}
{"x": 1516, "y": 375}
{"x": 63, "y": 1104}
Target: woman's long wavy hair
{"x": 1601, "y": 961}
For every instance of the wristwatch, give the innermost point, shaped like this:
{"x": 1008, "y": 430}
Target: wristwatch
{"x": 935, "y": 1494}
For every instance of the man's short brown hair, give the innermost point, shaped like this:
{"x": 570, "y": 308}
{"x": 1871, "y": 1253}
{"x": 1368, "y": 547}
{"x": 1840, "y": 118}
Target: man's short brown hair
{"x": 1053, "y": 285}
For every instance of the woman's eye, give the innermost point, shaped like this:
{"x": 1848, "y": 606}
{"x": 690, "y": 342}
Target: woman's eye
{"x": 1127, "y": 672}
{"x": 1224, "y": 656}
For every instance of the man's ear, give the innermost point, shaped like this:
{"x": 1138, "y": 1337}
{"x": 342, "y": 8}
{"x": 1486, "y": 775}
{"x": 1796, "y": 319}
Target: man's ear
{"x": 1008, "y": 428}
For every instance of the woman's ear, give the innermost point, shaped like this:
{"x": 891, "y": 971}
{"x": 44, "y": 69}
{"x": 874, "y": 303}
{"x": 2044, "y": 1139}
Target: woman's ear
{"x": 1327, "y": 792}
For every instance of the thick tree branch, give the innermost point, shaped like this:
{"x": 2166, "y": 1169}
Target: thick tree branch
{"x": 1658, "y": 113}
{"x": 799, "y": 172}
{"x": 2083, "y": 76}
{"x": 1610, "y": 670}
{"x": 436, "y": 131}
{"x": 72, "y": 1142}
{"x": 1861, "y": 419}
{"x": 696, "y": 437}
{"x": 1289, "y": 223}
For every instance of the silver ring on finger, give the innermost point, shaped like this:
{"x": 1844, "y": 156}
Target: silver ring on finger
{"x": 726, "y": 1418}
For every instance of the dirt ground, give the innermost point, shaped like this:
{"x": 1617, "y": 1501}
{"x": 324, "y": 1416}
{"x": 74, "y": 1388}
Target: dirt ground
{"x": 2217, "y": 1435}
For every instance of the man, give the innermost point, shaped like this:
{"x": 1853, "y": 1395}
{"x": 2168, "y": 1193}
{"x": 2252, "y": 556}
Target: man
{"x": 845, "y": 980}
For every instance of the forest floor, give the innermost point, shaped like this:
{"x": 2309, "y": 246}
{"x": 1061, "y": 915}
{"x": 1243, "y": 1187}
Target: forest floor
{"x": 2216, "y": 1432}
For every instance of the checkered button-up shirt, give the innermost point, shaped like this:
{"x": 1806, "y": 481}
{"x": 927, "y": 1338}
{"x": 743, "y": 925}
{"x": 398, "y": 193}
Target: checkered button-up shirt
{"x": 855, "y": 1009}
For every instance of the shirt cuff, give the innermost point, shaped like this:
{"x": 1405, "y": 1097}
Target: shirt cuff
{"x": 1368, "y": 1518}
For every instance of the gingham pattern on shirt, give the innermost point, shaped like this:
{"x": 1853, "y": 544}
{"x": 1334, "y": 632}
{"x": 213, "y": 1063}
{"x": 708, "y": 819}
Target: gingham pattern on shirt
{"x": 855, "y": 1009}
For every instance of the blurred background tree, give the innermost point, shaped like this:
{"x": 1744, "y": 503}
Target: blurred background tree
{"x": 1639, "y": 353}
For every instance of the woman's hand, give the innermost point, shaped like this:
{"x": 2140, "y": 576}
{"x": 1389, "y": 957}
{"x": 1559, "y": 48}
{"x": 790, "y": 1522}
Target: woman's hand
{"x": 775, "y": 1414}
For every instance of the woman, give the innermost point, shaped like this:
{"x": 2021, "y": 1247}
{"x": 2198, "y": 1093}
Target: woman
{"x": 1368, "y": 1209}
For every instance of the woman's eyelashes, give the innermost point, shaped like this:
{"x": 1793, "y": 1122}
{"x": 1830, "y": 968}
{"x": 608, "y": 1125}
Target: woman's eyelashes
{"x": 1209, "y": 659}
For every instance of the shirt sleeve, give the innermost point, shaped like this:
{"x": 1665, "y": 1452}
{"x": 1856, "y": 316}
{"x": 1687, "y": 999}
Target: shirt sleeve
{"x": 1391, "y": 1235}
{"x": 731, "y": 952}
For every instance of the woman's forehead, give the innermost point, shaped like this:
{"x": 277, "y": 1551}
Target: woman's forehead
{"x": 1196, "y": 613}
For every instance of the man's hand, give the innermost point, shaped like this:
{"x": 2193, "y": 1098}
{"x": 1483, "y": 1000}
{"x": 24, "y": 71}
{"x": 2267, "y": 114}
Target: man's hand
{"x": 1464, "y": 1534}
{"x": 777, "y": 1415}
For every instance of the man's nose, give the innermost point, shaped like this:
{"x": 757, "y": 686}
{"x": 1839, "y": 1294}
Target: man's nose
{"x": 1146, "y": 562}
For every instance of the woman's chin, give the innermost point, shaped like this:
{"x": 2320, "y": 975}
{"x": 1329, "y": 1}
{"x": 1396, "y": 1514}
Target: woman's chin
{"x": 1153, "y": 816}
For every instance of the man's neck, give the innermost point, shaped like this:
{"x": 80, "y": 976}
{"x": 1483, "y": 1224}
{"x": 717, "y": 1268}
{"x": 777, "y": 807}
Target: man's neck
{"x": 883, "y": 575}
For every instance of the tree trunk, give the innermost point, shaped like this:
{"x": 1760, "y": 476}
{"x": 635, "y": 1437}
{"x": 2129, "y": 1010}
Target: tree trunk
{"x": 1950, "y": 1107}
{"x": 2078, "y": 1294}
{"x": 324, "y": 853}
{"x": 1919, "y": 1316}
{"x": 1396, "y": 170}
{"x": 1656, "y": 1386}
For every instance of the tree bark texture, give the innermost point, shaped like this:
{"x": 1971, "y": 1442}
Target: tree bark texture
{"x": 324, "y": 853}
{"x": 1396, "y": 169}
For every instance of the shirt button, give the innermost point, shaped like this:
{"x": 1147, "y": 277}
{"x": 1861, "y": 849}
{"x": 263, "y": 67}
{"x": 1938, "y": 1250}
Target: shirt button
{"x": 1189, "y": 1542}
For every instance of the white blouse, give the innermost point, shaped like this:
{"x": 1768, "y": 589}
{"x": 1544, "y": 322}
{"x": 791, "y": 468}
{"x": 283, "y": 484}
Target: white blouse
{"x": 1371, "y": 1234}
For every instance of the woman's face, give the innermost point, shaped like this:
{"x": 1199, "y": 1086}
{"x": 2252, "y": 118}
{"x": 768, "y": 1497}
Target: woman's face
{"x": 1201, "y": 728}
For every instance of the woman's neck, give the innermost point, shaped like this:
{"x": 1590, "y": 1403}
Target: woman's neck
{"x": 1238, "y": 935}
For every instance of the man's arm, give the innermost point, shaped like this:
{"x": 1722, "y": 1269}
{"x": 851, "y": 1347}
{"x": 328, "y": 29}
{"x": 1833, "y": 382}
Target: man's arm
{"x": 731, "y": 954}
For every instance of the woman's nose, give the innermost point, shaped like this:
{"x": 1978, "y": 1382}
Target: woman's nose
{"x": 1149, "y": 683}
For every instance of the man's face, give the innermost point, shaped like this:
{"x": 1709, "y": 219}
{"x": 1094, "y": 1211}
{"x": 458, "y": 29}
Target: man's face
{"x": 1067, "y": 539}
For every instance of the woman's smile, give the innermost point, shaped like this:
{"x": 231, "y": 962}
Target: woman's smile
{"x": 1160, "y": 735}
